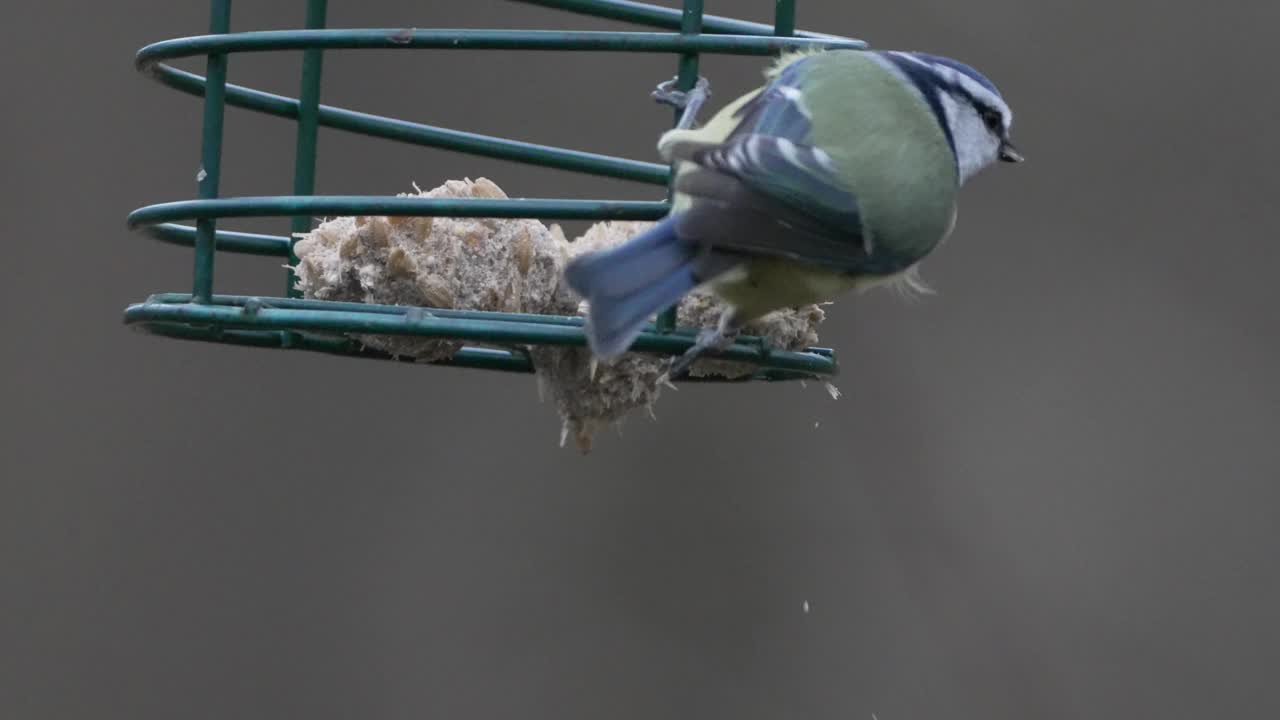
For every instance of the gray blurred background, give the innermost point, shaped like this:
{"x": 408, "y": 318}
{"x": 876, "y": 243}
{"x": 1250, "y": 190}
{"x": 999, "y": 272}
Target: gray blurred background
{"x": 1048, "y": 491}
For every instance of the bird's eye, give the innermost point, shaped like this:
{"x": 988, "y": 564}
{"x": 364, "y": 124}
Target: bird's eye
{"x": 993, "y": 121}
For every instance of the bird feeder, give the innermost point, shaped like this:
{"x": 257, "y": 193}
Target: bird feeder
{"x": 290, "y": 321}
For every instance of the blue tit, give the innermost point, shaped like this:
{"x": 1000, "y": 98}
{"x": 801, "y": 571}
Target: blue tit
{"x": 840, "y": 173}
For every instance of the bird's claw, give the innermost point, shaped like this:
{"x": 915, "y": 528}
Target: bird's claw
{"x": 667, "y": 93}
{"x": 710, "y": 339}
{"x": 688, "y": 102}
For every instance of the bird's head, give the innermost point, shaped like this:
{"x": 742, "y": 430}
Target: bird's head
{"x": 970, "y": 109}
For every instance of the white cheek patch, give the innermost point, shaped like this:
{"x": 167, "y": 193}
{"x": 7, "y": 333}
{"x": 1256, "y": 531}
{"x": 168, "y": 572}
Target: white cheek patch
{"x": 975, "y": 146}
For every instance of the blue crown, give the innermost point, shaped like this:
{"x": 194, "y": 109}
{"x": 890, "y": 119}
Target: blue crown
{"x": 959, "y": 67}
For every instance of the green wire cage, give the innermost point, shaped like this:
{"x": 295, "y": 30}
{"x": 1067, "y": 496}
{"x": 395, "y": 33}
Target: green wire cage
{"x": 291, "y": 322}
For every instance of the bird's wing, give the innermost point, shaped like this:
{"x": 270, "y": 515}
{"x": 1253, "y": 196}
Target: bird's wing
{"x": 765, "y": 189}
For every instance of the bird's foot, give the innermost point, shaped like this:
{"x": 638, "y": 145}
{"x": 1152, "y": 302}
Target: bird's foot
{"x": 709, "y": 340}
{"x": 667, "y": 94}
{"x": 688, "y": 101}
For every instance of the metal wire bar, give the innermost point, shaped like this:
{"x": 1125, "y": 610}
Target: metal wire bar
{"x": 252, "y": 314}
{"x": 456, "y": 39}
{"x": 430, "y": 136}
{"x": 654, "y": 16}
{"x": 690, "y": 26}
{"x": 223, "y": 241}
{"x": 304, "y": 162}
{"x": 467, "y": 357}
{"x": 211, "y": 152}
{"x": 153, "y": 219}
{"x": 686, "y": 78}
{"x": 425, "y": 135}
{"x": 784, "y": 18}
{"x": 326, "y": 205}
{"x": 254, "y": 303}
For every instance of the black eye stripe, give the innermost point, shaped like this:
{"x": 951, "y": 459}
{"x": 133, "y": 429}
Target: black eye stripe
{"x": 990, "y": 115}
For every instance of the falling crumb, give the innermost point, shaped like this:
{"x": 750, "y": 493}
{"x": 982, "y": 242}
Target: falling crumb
{"x": 815, "y": 424}
{"x": 833, "y": 391}
{"x": 806, "y": 607}
{"x": 200, "y": 176}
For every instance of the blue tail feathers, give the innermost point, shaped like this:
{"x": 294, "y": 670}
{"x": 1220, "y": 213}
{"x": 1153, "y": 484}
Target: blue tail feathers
{"x": 627, "y": 285}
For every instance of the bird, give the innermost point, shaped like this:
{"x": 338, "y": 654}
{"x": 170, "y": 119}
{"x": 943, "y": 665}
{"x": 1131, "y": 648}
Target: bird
{"x": 841, "y": 172}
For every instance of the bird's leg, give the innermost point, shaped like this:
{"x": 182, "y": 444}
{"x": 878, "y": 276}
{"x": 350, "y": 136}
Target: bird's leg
{"x": 718, "y": 338}
{"x": 689, "y": 102}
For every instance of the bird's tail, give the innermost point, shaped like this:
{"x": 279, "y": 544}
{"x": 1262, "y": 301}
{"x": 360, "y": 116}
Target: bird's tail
{"x": 627, "y": 285}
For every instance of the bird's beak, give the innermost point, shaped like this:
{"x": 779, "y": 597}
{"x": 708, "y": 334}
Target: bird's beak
{"x": 1009, "y": 153}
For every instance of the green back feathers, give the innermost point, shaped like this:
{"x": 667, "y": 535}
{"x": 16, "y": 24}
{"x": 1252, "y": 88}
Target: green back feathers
{"x": 887, "y": 147}
{"x": 884, "y": 183}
